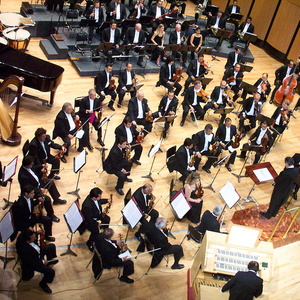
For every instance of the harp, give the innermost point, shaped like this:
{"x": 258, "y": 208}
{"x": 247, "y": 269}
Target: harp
{"x": 8, "y": 126}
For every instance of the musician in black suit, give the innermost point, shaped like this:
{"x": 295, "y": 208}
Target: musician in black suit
{"x": 103, "y": 83}
{"x": 117, "y": 164}
{"x": 137, "y": 109}
{"x": 157, "y": 235}
{"x": 224, "y": 134}
{"x": 202, "y": 141}
{"x": 166, "y": 74}
{"x": 245, "y": 285}
{"x": 28, "y": 174}
{"x": 136, "y": 36}
{"x": 263, "y": 87}
{"x": 126, "y": 79}
{"x": 156, "y": 10}
{"x": 39, "y": 149}
{"x": 116, "y": 11}
{"x": 167, "y": 107}
{"x": 177, "y": 37}
{"x": 88, "y": 106}
{"x": 200, "y": 9}
{"x": 245, "y": 27}
{"x": 24, "y": 217}
{"x": 65, "y": 127}
{"x": 219, "y": 99}
{"x": 112, "y": 35}
{"x": 92, "y": 212}
{"x": 234, "y": 57}
{"x": 280, "y": 74}
{"x": 209, "y": 221}
{"x": 109, "y": 250}
{"x": 234, "y": 78}
{"x": 257, "y": 139}
{"x": 251, "y": 108}
{"x": 178, "y": 4}
{"x": 192, "y": 102}
{"x": 195, "y": 71}
{"x": 233, "y": 9}
{"x": 95, "y": 13}
{"x": 128, "y": 130}
{"x": 32, "y": 258}
{"x": 137, "y": 9}
{"x": 52, "y": 5}
{"x": 218, "y": 21}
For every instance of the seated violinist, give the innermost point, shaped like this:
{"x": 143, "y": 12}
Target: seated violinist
{"x": 263, "y": 87}
{"x": 91, "y": 108}
{"x": 234, "y": 78}
{"x": 262, "y": 139}
{"x": 92, "y": 212}
{"x": 220, "y": 98}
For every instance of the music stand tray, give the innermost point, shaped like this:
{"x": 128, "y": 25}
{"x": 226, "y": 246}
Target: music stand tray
{"x": 150, "y": 47}
{"x": 187, "y": 48}
{"x": 87, "y": 22}
{"x": 128, "y": 23}
{"x": 205, "y": 81}
{"x": 213, "y": 9}
{"x": 249, "y": 38}
{"x": 173, "y": 48}
{"x": 104, "y": 25}
{"x": 165, "y": 118}
{"x": 105, "y": 46}
{"x": 246, "y": 68}
{"x": 236, "y": 17}
{"x": 136, "y": 88}
{"x": 224, "y": 110}
{"x": 206, "y": 50}
{"x": 261, "y": 117}
{"x": 146, "y": 20}
{"x": 248, "y": 87}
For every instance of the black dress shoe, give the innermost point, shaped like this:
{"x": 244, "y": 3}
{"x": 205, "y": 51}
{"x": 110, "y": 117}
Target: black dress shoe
{"x": 141, "y": 65}
{"x": 111, "y": 107}
{"x": 240, "y": 156}
{"x": 126, "y": 279}
{"x": 101, "y": 143}
{"x": 44, "y": 286}
{"x": 53, "y": 262}
{"x": 264, "y": 215}
{"x": 119, "y": 191}
{"x": 164, "y": 134}
{"x": 90, "y": 147}
{"x": 50, "y": 238}
{"x": 55, "y": 177}
{"x": 80, "y": 149}
{"x": 55, "y": 219}
{"x": 59, "y": 201}
{"x": 295, "y": 196}
{"x": 63, "y": 160}
{"x": 136, "y": 162}
{"x": 181, "y": 123}
{"x": 206, "y": 170}
{"x": 128, "y": 179}
{"x": 177, "y": 266}
{"x": 119, "y": 105}
{"x": 138, "y": 236}
{"x": 228, "y": 168}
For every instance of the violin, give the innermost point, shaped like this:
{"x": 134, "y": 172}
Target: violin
{"x": 199, "y": 192}
{"x": 232, "y": 79}
{"x": 237, "y": 139}
{"x": 128, "y": 154}
{"x": 122, "y": 244}
{"x": 45, "y": 175}
{"x": 42, "y": 238}
{"x": 264, "y": 87}
{"x": 78, "y": 123}
{"x": 228, "y": 93}
{"x": 203, "y": 95}
{"x": 105, "y": 211}
{"x": 284, "y": 115}
{"x": 264, "y": 143}
{"x": 98, "y": 116}
{"x": 60, "y": 153}
{"x": 178, "y": 74}
{"x": 151, "y": 202}
{"x": 214, "y": 149}
{"x": 149, "y": 117}
{"x": 140, "y": 138}
{"x": 112, "y": 85}
{"x": 206, "y": 67}
{"x": 192, "y": 161}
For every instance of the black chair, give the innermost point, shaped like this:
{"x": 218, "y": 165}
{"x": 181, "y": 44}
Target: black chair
{"x": 194, "y": 234}
{"x": 170, "y": 152}
{"x": 25, "y": 148}
{"x": 82, "y": 43}
{"x": 72, "y": 21}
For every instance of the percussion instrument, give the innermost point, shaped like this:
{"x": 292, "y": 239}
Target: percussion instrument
{"x": 9, "y": 19}
{"x": 3, "y": 41}
{"x": 17, "y": 38}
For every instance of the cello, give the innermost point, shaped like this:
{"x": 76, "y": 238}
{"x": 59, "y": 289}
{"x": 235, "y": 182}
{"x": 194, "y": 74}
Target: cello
{"x": 286, "y": 91}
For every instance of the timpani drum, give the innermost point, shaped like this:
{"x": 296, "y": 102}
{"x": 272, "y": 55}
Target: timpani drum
{"x": 3, "y": 41}
{"x": 17, "y": 38}
{"x": 11, "y": 19}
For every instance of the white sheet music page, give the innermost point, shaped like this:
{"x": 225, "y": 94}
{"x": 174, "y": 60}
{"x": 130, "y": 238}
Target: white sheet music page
{"x": 125, "y": 254}
{"x": 132, "y": 213}
{"x": 6, "y": 227}
{"x": 180, "y": 205}
{"x": 73, "y": 217}
{"x": 243, "y": 236}
{"x": 263, "y": 174}
{"x": 229, "y": 194}
{"x": 10, "y": 169}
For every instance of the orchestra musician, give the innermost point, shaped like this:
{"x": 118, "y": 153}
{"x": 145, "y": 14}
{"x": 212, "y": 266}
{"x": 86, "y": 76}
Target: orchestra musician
{"x": 52, "y": 5}
{"x": 219, "y": 99}
{"x": 234, "y": 78}
{"x": 103, "y": 81}
{"x": 200, "y": 9}
{"x": 190, "y": 189}
{"x": 280, "y": 74}
{"x": 245, "y": 27}
{"x": 224, "y": 134}
{"x": 195, "y": 71}
{"x": 261, "y": 133}
{"x": 203, "y": 140}
{"x": 33, "y": 175}
{"x": 233, "y": 9}
{"x": 92, "y": 212}
{"x": 263, "y": 87}
{"x": 126, "y": 78}
{"x": 158, "y": 39}
{"x": 195, "y": 40}
{"x": 192, "y": 102}
{"x": 284, "y": 184}
{"x": 137, "y": 109}
{"x": 166, "y": 73}
{"x": 156, "y": 234}
{"x": 25, "y": 218}
{"x": 234, "y": 57}
{"x": 138, "y": 9}
{"x": 156, "y": 10}
{"x": 88, "y": 106}
{"x": 116, "y": 11}
{"x": 136, "y": 36}
{"x": 117, "y": 164}
{"x": 179, "y": 4}
{"x": 39, "y": 149}
{"x": 65, "y": 128}
{"x": 95, "y": 13}
{"x": 251, "y": 108}
{"x": 109, "y": 250}
{"x": 177, "y": 37}
{"x": 32, "y": 258}
{"x": 128, "y": 130}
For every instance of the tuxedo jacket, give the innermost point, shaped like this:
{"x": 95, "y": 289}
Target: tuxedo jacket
{"x": 140, "y": 200}
{"x": 101, "y": 81}
{"x": 229, "y": 9}
{"x": 199, "y": 140}
{"x": 208, "y": 222}
{"x": 201, "y": 2}
{"x": 172, "y": 106}
{"x": 85, "y": 105}
{"x": 123, "y": 79}
{"x": 130, "y": 37}
{"x": 182, "y": 158}
{"x": 90, "y": 211}
{"x": 36, "y": 150}
{"x": 115, "y": 160}
{"x": 164, "y": 73}
{"x": 192, "y": 69}
{"x": 215, "y": 96}
{"x": 244, "y": 286}
{"x": 121, "y": 131}
{"x": 25, "y": 178}
{"x": 280, "y": 73}
{"x": 106, "y": 36}
{"x": 276, "y": 114}
{"x": 101, "y": 15}
{"x": 152, "y": 11}
{"x": 221, "y": 132}
{"x": 133, "y": 109}
{"x": 212, "y": 22}
{"x": 231, "y": 57}
{"x": 250, "y": 28}
{"x": 247, "y": 104}
{"x": 132, "y": 8}
{"x": 173, "y": 37}
{"x": 189, "y": 97}
{"x": 61, "y": 125}
{"x": 255, "y": 135}
{"x": 111, "y": 7}
{"x": 259, "y": 81}
{"x": 230, "y": 72}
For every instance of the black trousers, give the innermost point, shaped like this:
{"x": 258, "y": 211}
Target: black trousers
{"x": 209, "y": 161}
{"x": 47, "y": 222}
{"x": 51, "y": 187}
{"x": 55, "y": 164}
{"x": 258, "y": 154}
{"x": 109, "y": 92}
{"x": 176, "y": 87}
{"x": 210, "y": 105}
{"x": 183, "y": 6}
{"x": 199, "y": 112}
{"x": 184, "y": 172}
{"x": 158, "y": 255}
{"x": 275, "y": 134}
{"x": 122, "y": 93}
{"x": 86, "y": 137}
{"x": 67, "y": 140}
{"x": 231, "y": 159}
{"x": 153, "y": 216}
{"x": 128, "y": 267}
{"x": 147, "y": 125}
{"x": 138, "y": 149}
{"x": 247, "y": 128}
{"x": 167, "y": 124}
{"x": 121, "y": 177}
{"x": 95, "y": 230}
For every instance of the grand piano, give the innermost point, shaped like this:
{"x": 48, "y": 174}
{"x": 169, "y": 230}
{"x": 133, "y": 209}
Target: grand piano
{"x": 38, "y": 74}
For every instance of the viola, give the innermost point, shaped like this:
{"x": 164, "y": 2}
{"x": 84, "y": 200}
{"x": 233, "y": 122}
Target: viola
{"x": 237, "y": 139}
{"x": 178, "y": 74}
{"x": 214, "y": 149}
{"x": 203, "y": 95}
{"x": 139, "y": 138}
{"x": 151, "y": 202}
{"x": 78, "y": 123}
{"x": 232, "y": 79}
{"x": 112, "y": 85}
{"x": 128, "y": 154}
{"x": 42, "y": 238}
{"x": 206, "y": 66}
{"x": 284, "y": 115}
{"x": 264, "y": 143}
{"x": 122, "y": 245}
{"x": 98, "y": 116}
{"x": 45, "y": 175}
{"x": 199, "y": 192}
{"x": 105, "y": 211}
{"x": 149, "y": 117}
{"x": 60, "y": 153}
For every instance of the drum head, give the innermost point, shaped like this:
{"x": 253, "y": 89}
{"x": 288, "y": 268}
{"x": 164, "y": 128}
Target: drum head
{"x": 15, "y": 34}
{"x": 10, "y": 19}
{"x": 3, "y": 41}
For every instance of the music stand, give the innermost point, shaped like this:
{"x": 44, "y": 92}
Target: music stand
{"x": 186, "y": 24}
{"x": 213, "y": 9}
{"x": 222, "y": 34}
{"x": 230, "y": 196}
{"x": 136, "y": 87}
{"x": 249, "y": 38}
{"x": 205, "y": 81}
{"x": 235, "y": 17}
{"x": 165, "y": 118}
{"x": 246, "y": 68}
{"x": 104, "y": 25}
{"x": 208, "y": 51}
{"x": 150, "y": 47}
{"x": 103, "y": 122}
{"x": 247, "y": 89}
{"x": 73, "y": 218}
{"x": 146, "y": 20}
{"x": 259, "y": 173}
{"x": 132, "y": 213}
{"x": 261, "y": 117}
{"x": 187, "y": 48}
{"x": 224, "y": 110}
{"x": 6, "y": 230}
{"x": 171, "y": 47}
{"x": 8, "y": 172}
{"x": 78, "y": 163}
{"x": 128, "y": 23}
{"x": 152, "y": 152}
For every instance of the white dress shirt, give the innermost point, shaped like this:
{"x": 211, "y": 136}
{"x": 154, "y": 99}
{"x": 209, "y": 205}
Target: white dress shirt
{"x": 140, "y": 109}
{"x": 112, "y": 35}
{"x": 28, "y": 203}
{"x": 217, "y": 23}
{"x": 198, "y": 69}
{"x": 96, "y": 12}
{"x": 107, "y": 80}
{"x": 136, "y": 37}
{"x": 158, "y": 12}
{"x": 227, "y": 135}
{"x": 168, "y": 103}
{"x": 252, "y": 110}
{"x": 43, "y": 146}
{"x": 129, "y": 135}
{"x": 33, "y": 175}
{"x": 261, "y": 135}
{"x": 118, "y": 11}
{"x": 71, "y": 121}
{"x": 170, "y": 71}
{"x": 220, "y": 99}
{"x": 129, "y": 79}
{"x": 246, "y": 27}
{"x": 208, "y": 138}
{"x": 178, "y": 38}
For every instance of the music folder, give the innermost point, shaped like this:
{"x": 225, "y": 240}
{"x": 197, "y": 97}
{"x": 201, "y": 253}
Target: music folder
{"x": 180, "y": 204}
{"x": 229, "y": 194}
{"x": 132, "y": 213}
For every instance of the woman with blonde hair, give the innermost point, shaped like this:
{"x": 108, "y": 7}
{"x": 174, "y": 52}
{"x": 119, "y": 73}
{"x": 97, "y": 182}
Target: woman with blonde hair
{"x": 158, "y": 39}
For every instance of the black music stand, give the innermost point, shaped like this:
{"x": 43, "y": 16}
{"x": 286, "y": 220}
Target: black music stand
{"x": 235, "y": 17}
{"x": 224, "y": 110}
{"x": 173, "y": 48}
{"x": 150, "y": 47}
{"x": 213, "y": 9}
{"x": 90, "y": 23}
{"x": 249, "y": 38}
{"x": 222, "y": 34}
{"x": 246, "y": 68}
{"x": 146, "y": 20}
{"x": 103, "y": 122}
{"x": 104, "y": 25}
{"x": 187, "y": 48}
{"x": 208, "y": 51}
{"x": 128, "y": 23}
{"x": 261, "y": 117}
{"x": 186, "y": 24}
{"x": 205, "y": 81}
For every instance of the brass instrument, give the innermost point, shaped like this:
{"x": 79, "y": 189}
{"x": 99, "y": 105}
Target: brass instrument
{"x": 200, "y": 10}
{"x": 240, "y": 34}
{"x": 214, "y": 30}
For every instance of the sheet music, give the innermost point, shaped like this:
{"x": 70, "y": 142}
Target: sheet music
{"x": 125, "y": 254}
{"x": 132, "y": 213}
{"x": 10, "y": 169}
{"x": 79, "y": 161}
{"x": 263, "y": 174}
{"x": 243, "y": 236}
{"x": 229, "y": 194}
{"x": 155, "y": 148}
{"x": 6, "y": 227}
{"x": 180, "y": 205}
{"x": 231, "y": 149}
{"x": 73, "y": 217}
